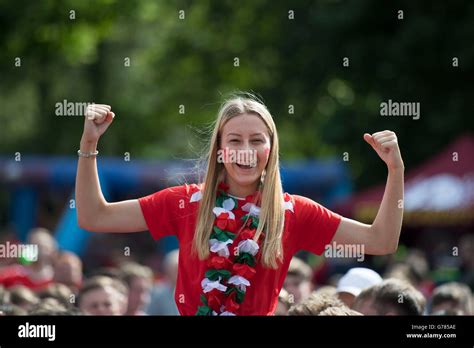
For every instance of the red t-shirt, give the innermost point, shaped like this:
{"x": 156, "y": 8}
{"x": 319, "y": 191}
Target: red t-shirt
{"x": 172, "y": 211}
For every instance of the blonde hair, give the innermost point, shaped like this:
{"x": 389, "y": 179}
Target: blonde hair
{"x": 271, "y": 220}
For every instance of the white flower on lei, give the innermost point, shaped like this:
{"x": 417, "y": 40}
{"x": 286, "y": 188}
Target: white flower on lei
{"x": 219, "y": 247}
{"x": 227, "y": 207}
{"x": 209, "y": 285}
{"x": 248, "y": 246}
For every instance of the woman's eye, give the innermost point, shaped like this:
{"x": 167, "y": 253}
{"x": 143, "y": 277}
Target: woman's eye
{"x": 257, "y": 141}
{"x": 234, "y": 141}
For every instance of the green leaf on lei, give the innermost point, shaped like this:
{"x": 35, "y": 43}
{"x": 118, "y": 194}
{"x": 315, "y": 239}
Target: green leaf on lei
{"x": 239, "y": 298}
{"x": 246, "y": 258}
{"x": 214, "y": 274}
{"x": 220, "y": 200}
{"x": 203, "y": 299}
{"x": 222, "y": 235}
{"x": 204, "y": 311}
{"x": 253, "y": 220}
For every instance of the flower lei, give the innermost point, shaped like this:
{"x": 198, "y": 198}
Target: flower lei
{"x": 233, "y": 256}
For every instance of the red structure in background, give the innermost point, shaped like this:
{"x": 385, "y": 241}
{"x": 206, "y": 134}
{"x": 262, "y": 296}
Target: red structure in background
{"x": 439, "y": 192}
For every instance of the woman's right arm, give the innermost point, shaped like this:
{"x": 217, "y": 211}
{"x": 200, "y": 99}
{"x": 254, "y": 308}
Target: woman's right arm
{"x": 94, "y": 213}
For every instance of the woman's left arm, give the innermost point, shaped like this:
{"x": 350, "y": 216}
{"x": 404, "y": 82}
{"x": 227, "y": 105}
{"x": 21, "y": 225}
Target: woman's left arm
{"x": 382, "y": 236}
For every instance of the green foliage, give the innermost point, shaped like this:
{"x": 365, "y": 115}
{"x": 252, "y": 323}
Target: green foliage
{"x": 190, "y": 62}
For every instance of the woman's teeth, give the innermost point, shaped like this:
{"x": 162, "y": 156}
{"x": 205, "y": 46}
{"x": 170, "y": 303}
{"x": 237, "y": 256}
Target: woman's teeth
{"x": 244, "y": 166}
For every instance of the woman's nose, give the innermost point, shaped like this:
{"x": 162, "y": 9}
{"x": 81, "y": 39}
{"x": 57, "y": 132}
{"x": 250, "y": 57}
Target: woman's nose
{"x": 247, "y": 145}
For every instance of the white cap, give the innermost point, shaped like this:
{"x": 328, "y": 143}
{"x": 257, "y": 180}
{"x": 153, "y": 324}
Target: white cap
{"x": 358, "y": 279}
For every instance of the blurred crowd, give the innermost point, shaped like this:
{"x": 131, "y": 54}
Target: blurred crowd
{"x": 362, "y": 291}
{"x": 56, "y": 284}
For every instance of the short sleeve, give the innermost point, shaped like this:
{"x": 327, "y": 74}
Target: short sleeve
{"x": 164, "y": 210}
{"x": 314, "y": 225}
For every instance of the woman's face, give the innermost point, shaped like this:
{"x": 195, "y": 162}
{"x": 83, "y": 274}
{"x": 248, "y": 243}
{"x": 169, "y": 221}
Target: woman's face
{"x": 245, "y": 148}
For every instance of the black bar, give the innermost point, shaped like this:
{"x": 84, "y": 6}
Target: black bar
{"x": 138, "y": 331}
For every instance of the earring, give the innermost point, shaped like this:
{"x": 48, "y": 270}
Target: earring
{"x": 262, "y": 178}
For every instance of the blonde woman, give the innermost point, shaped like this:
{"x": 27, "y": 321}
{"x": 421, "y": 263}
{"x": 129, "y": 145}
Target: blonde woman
{"x": 237, "y": 230}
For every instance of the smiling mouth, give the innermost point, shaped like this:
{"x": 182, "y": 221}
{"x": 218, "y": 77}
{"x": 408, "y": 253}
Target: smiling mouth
{"x": 243, "y": 166}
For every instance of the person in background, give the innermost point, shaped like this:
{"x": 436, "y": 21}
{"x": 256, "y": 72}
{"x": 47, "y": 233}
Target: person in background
{"x": 315, "y": 305}
{"x": 162, "y": 296}
{"x": 23, "y": 297}
{"x": 4, "y": 295}
{"x": 391, "y": 297}
{"x": 116, "y": 275}
{"x": 36, "y": 274}
{"x": 298, "y": 281}
{"x": 139, "y": 280}
{"x": 60, "y": 293}
{"x": 339, "y": 311}
{"x": 108, "y": 271}
{"x": 12, "y": 310}
{"x": 413, "y": 269}
{"x": 283, "y": 303}
{"x": 7, "y": 236}
{"x": 4, "y": 300}
{"x": 452, "y": 299}
{"x": 328, "y": 290}
{"x": 102, "y": 295}
{"x": 51, "y": 306}
{"x": 466, "y": 251}
{"x": 354, "y": 281}
{"x": 68, "y": 271}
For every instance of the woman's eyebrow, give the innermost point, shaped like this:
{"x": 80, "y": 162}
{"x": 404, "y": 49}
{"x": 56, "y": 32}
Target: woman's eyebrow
{"x": 239, "y": 135}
